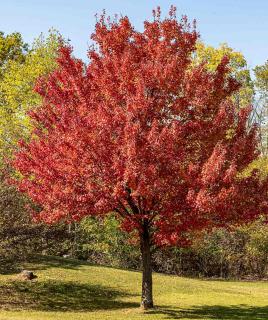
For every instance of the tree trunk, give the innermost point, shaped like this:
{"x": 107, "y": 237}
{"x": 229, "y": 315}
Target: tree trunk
{"x": 147, "y": 288}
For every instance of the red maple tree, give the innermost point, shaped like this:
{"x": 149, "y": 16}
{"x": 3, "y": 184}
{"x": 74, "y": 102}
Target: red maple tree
{"x": 142, "y": 132}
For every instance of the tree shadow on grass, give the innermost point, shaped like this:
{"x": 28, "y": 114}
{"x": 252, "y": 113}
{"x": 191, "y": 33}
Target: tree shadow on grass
{"x": 45, "y": 262}
{"x": 39, "y": 263}
{"x": 241, "y": 312}
{"x": 8, "y": 267}
{"x": 61, "y": 296}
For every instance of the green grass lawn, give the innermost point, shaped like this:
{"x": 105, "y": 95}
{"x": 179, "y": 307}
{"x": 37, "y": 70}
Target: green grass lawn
{"x": 70, "y": 290}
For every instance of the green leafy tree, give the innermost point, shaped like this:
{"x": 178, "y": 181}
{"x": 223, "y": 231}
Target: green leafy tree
{"x": 261, "y": 74}
{"x": 20, "y": 70}
{"x": 103, "y": 241}
{"x": 12, "y": 48}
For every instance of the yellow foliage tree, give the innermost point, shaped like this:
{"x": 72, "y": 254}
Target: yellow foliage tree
{"x": 16, "y": 87}
{"x": 238, "y": 69}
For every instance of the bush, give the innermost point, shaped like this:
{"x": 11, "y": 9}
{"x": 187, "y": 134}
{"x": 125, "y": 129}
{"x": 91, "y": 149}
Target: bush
{"x": 20, "y": 237}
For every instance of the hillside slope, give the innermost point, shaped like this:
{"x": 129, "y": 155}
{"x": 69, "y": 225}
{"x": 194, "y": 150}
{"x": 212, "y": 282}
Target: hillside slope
{"x": 71, "y": 290}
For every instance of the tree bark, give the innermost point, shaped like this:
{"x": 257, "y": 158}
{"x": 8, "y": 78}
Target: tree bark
{"x": 147, "y": 288}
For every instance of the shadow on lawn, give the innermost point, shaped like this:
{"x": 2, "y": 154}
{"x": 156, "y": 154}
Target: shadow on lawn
{"x": 45, "y": 262}
{"x": 40, "y": 263}
{"x": 61, "y": 296}
{"x": 242, "y": 312}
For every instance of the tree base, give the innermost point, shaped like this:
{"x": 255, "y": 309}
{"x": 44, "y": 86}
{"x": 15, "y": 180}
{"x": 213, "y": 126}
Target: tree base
{"x": 145, "y": 305}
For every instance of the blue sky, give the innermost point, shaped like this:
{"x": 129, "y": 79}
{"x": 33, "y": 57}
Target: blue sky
{"x": 243, "y": 24}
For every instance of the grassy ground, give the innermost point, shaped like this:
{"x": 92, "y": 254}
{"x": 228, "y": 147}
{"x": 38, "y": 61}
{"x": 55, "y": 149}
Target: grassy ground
{"x": 70, "y": 290}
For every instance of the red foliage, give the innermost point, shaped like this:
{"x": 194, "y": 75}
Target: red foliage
{"x": 141, "y": 132}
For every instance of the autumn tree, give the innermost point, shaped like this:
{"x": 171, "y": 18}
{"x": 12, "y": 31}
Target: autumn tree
{"x": 141, "y": 133}
{"x": 20, "y": 66}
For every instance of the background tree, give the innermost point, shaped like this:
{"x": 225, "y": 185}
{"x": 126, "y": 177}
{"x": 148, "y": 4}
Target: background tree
{"x": 20, "y": 236}
{"x": 261, "y": 108}
{"x": 261, "y": 74}
{"x": 261, "y": 83}
{"x": 237, "y": 67}
{"x": 100, "y": 240}
{"x": 12, "y": 47}
{"x": 142, "y": 133}
{"x": 20, "y": 67}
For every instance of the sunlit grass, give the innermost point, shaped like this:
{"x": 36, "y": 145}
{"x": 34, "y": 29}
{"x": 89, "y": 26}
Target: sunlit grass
{"x": 68, "y": 289}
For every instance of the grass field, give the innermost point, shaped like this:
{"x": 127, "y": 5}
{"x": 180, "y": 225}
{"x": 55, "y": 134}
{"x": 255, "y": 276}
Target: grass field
{"x": 70, "y": 290}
